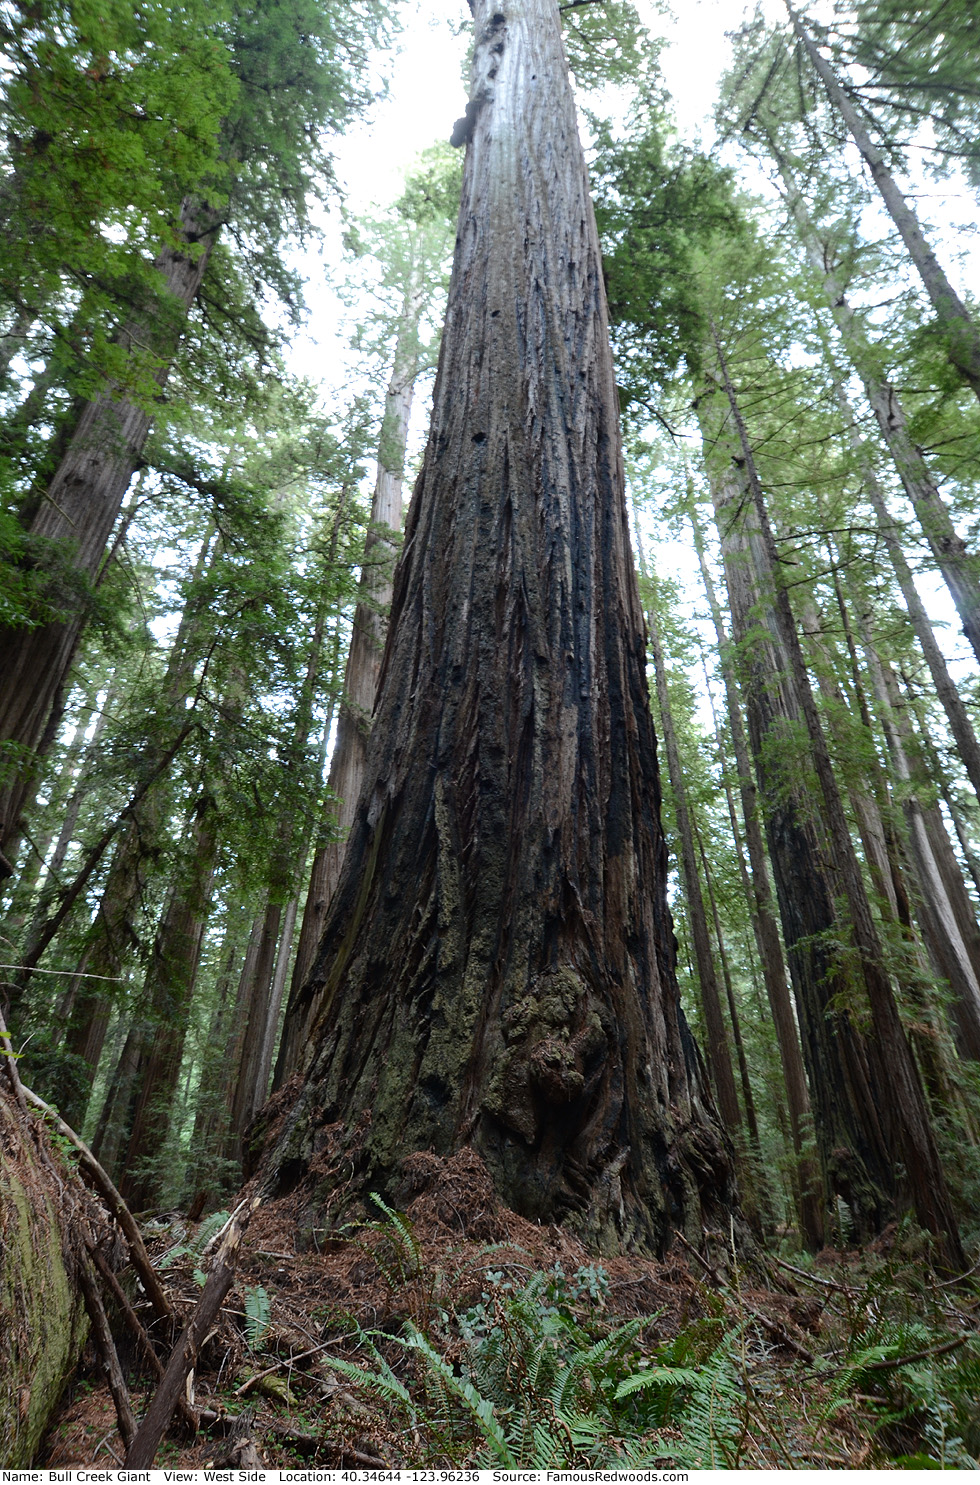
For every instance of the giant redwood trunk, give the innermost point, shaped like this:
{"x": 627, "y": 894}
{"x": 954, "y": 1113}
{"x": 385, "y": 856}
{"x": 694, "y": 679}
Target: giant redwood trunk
{"x": 82, "y": 502}
{"x": 497, "y": 963}
{"x": 845, "y": 1088}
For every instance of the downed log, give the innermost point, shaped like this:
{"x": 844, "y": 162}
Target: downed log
{"x": 142, "y": 1451}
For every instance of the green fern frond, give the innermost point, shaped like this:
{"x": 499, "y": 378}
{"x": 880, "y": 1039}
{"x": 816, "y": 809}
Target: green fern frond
{"x": 658, "y": 1376}
{"x": 382, "y": 1385}
{"x": 258, "y": 1310}
{"x": 479, "y": 1407}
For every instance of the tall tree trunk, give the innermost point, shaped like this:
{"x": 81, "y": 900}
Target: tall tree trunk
{"x": 66, "y": 793}
{"x": 763, "y": 919}
{"x": 851, "y": 1143}
{"x": 113, "y": 934}
{"x": 961, "y": 334}
{"x": 252, "y": 1015}
{"x": 915, "y": 1175}
{"x": 82, "y": 502}
{"x": 360, "y": 680}
{"x": 745, "y": 1082}
{"x": 945, "y": 912}
{"x": 960, "y": 568}
{"x": 205, "y": 1177}
{"x": 940, "y": 778}
{"x": 497, "y": 962}
{"x": 947, "y": 692}
{"x": 718, "y": 1053}
{"x": 167, "y": 996}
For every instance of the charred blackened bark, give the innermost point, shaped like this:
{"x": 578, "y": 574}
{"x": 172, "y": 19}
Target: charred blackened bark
{"x": 497, "y": 964}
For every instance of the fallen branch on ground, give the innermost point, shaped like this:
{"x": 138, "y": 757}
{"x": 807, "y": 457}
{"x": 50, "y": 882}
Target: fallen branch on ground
{"x": 142, "y": 1452}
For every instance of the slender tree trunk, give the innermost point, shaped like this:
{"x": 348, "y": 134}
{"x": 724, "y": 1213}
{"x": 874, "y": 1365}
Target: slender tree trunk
{"x": 360, "y": 680}
{"x": 961, "y": 334}
{"x": 947, "y": 692}
{"x": 959, "y": 567}
{"x": 939, "y": 777}
{"x": 497, "y": 960}
{"x": 113, "y": 935}
{"x": 764, "y": 924}
{"x": 945, "y": 912}
{"x": 717, "y": 1048}
{"x": 247, "y": 1093}
{"x": 205, "y": 1178}
{"x": 260, "y": 995}
{"x": 916, "y": 1174}
{"x": 275, "y": 1001}
{"x": 66, "y": 793}
{"x": 745, "y": 1082}
{"x": 82, "y": 503}
{"x": 167, "y": 996}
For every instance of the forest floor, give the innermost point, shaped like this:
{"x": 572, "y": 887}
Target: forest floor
{"x": 456, "y": 1334}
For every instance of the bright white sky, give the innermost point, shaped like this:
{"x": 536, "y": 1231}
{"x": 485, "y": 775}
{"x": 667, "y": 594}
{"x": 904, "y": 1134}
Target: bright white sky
{"x": 428, "y": 92}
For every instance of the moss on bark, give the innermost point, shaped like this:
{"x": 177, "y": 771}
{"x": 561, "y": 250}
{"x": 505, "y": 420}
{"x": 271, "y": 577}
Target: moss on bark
{"x": 42, "y": 1318}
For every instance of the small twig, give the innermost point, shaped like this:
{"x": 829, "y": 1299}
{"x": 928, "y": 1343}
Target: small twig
{"x": 926, "y": 1355}
{"x": 10, "y": 1060}
{"x": 801, "y": 1273}
{"x": 104, "y": 1444}
{"x": 75, "y": 974}
{"x": 778, "y": 1332}
{"x": 142, "y": 1338}
{"x": 87, "y": 1162}
{"x": 958, "y": 1279}
{"x": 283, "y": 1361}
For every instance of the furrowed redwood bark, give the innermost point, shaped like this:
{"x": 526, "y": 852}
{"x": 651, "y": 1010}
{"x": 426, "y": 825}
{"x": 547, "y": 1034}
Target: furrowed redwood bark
{"x": 497, "y": 963}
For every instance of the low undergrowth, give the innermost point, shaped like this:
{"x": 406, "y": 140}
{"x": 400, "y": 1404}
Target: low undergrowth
{"x": 537, "y": 1374}
{"x": 396, "y": 1346}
